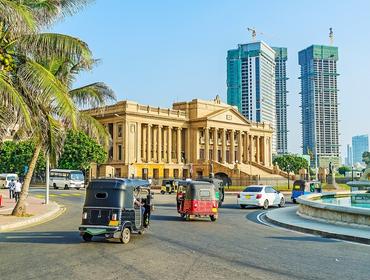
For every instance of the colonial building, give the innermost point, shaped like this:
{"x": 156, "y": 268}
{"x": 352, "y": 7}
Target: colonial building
{"x": 192, "y": 139}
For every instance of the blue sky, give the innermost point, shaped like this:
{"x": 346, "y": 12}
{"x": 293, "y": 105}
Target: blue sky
{"x": 157, "y": 52}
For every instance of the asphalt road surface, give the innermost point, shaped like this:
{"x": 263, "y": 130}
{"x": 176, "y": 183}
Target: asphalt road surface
{"x": 236, "y": 246}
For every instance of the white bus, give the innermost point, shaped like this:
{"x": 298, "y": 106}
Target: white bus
{"x": 64, "y": 178}
{"x": 6, "y": 178}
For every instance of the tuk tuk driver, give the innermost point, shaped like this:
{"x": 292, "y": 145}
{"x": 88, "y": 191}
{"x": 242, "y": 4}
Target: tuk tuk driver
{"x": 138, "y": 203}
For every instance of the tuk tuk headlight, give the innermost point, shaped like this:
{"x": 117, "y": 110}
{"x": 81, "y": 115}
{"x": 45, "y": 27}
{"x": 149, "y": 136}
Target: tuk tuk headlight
{"x": 114, "y": 217}
{"x": 84, "y": 215}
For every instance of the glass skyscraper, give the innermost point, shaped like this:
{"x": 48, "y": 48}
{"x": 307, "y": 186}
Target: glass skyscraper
{"x": 281, "y": 57}
{"x": 360, "y": 144}
{"x": 319, "y": 96}
{"x": 251, "y": 83}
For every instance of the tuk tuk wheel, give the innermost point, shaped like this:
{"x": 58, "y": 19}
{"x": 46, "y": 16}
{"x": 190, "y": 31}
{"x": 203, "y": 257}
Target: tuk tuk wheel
{"x": 213, "y": 218}
{"x": 294, "y": 200}
{"x": 87, "y": 237}
{"x": 126, "y": 235}
{"x": 163, "y": 192}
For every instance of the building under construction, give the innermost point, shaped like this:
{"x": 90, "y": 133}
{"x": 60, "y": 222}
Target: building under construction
{"x": 319, "y": 94}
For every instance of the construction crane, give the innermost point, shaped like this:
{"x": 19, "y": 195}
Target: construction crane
{"x": 331, "y": 36}
{"x": 253, "y": 32}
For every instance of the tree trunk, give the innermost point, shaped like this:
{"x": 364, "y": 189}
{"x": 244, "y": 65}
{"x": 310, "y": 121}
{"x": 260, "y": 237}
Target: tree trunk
{"x": 20, "y": 208}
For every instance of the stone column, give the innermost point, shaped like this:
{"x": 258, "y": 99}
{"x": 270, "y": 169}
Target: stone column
{"x": 178, "y": 145}
{"x": 224, "y": 145}
{"x": 215, "y": 144}
{"x": 240, "y": 146}
{"x": 206, "y": 143}
{"x": 263, "y": 150}
{"x": 169, "y": 145}
{"x": 232, "y": 146}
{"x": 159, "y": 143}
{"x": 187, "y": 145}
{"x": 149, "y": 143}
{"x": 251, "y": 148}
{"x": 138, "y": 145}
{"x": 258, "y": 149}
{"x": 246, "y": 151}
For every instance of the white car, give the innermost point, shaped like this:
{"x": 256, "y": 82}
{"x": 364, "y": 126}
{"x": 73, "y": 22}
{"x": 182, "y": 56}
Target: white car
{"x": 263, "y": 196}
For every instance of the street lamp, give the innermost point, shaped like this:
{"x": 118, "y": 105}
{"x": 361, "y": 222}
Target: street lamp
{"x": 352, "y": 173}
{"x": 288, "y": 169}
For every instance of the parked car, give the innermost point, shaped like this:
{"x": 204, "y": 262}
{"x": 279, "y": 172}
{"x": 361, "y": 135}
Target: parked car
{"x": 263, "y": 196}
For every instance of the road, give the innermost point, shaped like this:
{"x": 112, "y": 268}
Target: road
{"x": 234, "y": 247}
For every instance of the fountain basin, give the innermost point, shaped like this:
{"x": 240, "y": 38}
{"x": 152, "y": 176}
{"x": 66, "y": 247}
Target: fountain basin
{"x": 343, "y": 207}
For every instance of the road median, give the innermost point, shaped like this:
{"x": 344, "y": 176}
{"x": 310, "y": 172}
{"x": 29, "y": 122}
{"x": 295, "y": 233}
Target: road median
{"x": 38, "y": 211}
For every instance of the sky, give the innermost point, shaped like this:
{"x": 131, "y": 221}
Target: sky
{"x": 158, "y": 52}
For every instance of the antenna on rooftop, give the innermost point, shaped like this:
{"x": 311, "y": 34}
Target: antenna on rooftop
{"x": 331, "y": 36}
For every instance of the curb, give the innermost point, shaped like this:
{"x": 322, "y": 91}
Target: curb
{"x": 36, "y": 220}
{"x": 321, "y": 233}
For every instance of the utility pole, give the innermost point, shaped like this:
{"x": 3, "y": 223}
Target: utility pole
{"x": 47, "y": 178}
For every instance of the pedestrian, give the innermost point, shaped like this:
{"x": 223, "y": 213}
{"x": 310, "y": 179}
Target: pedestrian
{"x": 17, "y": 190}
{"x": 11, "y": 188}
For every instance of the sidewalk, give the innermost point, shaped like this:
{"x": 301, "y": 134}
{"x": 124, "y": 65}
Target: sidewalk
{"x": 39, "y": 212}
{"x": 288, "y": 218}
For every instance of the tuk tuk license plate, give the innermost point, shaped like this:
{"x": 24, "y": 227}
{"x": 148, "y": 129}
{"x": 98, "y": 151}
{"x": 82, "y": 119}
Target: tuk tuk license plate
{"x": 214, "y": 210}
{"x": 247, "y": 196}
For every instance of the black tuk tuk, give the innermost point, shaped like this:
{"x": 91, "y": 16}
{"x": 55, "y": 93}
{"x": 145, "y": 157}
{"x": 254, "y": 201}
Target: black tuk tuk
{"x": 116, "y": 208}
{"x": 219, "y": 188}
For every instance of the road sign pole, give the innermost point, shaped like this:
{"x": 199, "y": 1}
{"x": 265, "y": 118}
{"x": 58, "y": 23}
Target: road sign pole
{"x": 47, "y": 179}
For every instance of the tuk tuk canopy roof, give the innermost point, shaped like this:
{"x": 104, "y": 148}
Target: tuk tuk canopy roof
{"x": 113, "y": 192}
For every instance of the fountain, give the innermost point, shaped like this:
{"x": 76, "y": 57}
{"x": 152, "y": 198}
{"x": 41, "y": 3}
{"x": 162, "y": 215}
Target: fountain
{"x": 341, "y": 207}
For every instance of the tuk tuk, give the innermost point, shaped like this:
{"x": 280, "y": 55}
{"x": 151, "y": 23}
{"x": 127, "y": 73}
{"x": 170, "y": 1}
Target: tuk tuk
{"x": 116, "y": 208}
{"x": 302, "y": 187}
{"x": 219, "y": 188}
{"x": 168, "y": 186}
{"x": 198, "y": 199}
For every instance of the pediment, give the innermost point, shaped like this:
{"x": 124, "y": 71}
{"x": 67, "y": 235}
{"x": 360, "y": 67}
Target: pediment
{"x": 228, "y": 115}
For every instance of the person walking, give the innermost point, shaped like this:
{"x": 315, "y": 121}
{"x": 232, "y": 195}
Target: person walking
{"x": 17, "y": 190}
{"x": 11, "y": 187}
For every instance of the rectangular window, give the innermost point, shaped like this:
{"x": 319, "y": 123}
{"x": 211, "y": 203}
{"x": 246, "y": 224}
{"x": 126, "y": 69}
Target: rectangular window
{"x": 119, "y": 131}
{"x": 119, "y": 152}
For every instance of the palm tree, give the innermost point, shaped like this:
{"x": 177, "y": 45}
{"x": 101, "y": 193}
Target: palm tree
{"x": 32, "y": 87}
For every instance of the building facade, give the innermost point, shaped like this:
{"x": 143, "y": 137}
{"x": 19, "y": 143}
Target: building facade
{"x": 319, "y": 103}
{"x": 360, "y": 144}
{"x": 281, "y": 57}
{"x": 251, "y": 83}
{"x": 189, "y": 140}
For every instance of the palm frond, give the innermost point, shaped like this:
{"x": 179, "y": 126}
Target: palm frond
{"x": 17, "y": 18}
{"x": 94, "y": 129}
{"x": 12, "y": 99}
{"x": 51, "y": 46}
{"x": 93, "y": 95}
{"x": 43, "y": 85}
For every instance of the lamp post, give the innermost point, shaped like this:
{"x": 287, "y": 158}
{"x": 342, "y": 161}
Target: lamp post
{"x": 352, "y": 172}
{"x": 47, "y": 178}
{"x": 288, "y": 169}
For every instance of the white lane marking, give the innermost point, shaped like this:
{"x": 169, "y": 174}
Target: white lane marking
{"x": 32, "y": 236}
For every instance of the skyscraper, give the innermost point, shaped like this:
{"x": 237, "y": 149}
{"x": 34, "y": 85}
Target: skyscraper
{"x": 281, "y": 56}
{"x": 360, "y": 144}
{"x": 320, "y": 103}
{"x": 349, "y": 158}
{"x": 251, "y": 83}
